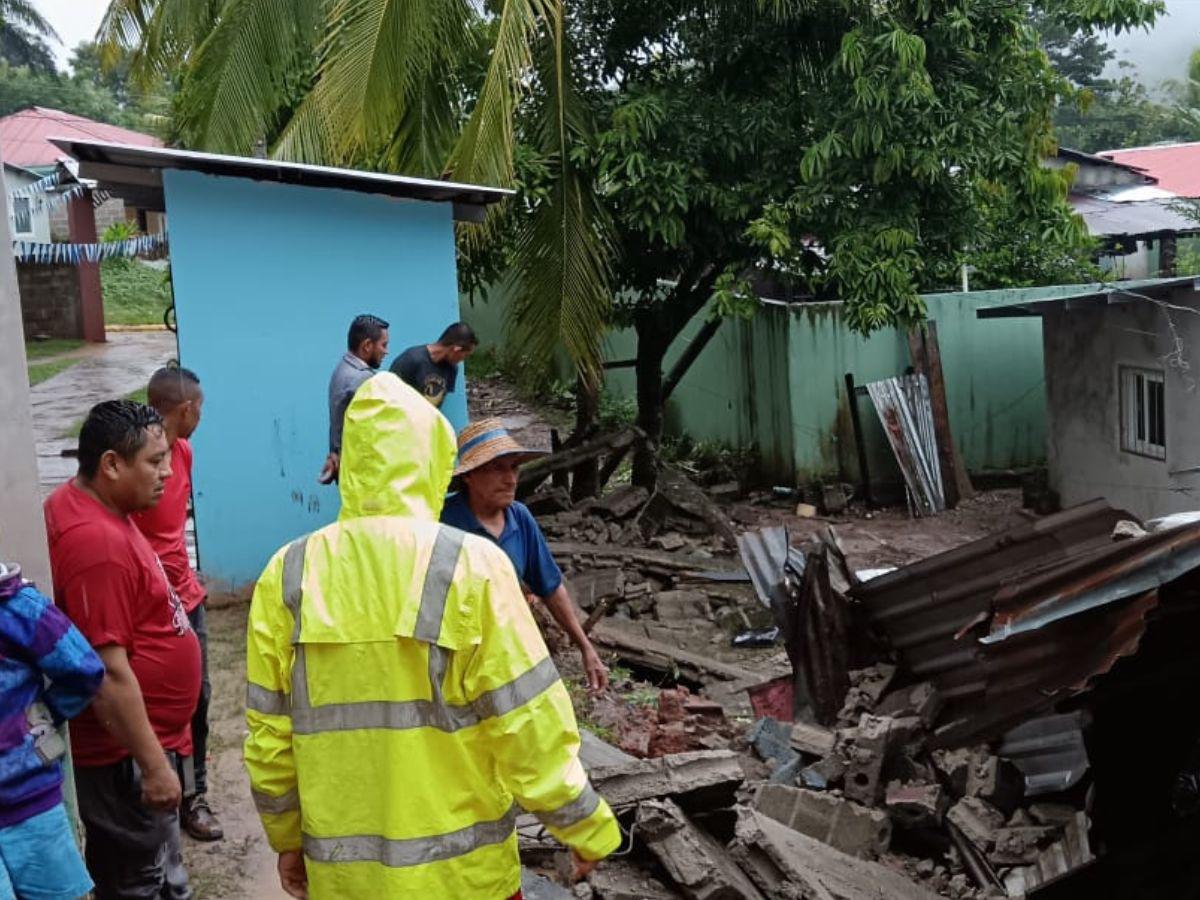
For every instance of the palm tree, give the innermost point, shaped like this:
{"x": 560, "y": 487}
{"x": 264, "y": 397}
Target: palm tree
{"x": 378, "y": 84}
{"x": 25, "y": 36}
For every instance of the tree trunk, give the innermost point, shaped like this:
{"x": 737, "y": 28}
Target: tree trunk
{"x": 585, "y": 478}
{"x": 653, "y": 341}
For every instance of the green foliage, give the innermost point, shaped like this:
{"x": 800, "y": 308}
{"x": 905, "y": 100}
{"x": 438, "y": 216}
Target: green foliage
{"x": 43, "y": 349}
{"x": 134, "y": 293}
{"x": 25, "y": 37}
{"x": 119, "y": 231}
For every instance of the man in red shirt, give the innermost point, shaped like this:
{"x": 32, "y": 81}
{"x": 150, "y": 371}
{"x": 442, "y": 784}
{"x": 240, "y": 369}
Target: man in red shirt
{"x": 175, "y": 393}
{"x": 127, "y": 746}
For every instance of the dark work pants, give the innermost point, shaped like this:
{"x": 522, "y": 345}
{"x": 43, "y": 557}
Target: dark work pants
{"x": 132, "y": 853}
{"x": 199, "y": 619}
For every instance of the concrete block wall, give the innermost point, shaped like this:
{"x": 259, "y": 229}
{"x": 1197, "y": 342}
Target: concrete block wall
{"x": 110, "y": 211}
{"x": 50, "y": 303}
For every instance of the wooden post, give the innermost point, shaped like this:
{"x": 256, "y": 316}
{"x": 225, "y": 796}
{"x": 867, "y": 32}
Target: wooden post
{"x": 927, "y": 360}
{"x": 81, "y": 227}
{"x": 860, "y": 444}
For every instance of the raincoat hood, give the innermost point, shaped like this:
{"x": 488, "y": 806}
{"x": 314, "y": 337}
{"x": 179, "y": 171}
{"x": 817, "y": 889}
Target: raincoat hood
{"x": 398, "y": 453}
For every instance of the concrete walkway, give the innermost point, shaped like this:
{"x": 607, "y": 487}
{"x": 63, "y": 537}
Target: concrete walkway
{"x": 108, "y": 372}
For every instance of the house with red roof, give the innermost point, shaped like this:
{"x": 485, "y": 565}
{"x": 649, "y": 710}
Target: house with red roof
{"x": 25, "y": 141}
{"x": 25, "y": 136}
{"x": 1174, "y": 167}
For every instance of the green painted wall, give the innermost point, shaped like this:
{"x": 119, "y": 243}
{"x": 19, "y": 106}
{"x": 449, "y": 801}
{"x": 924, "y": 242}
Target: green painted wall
{"x": 777, "y": 381}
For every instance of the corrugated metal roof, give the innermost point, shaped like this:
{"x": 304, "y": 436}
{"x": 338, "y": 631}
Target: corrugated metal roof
{"x": 1009, "y": 625}
{"x": 1088, "y": 294}
{"x": 1132, "y": 218}
{"x": 1176, "y": 167}
{"x": 25, "y": 135}
{"x": 137, "y": 172}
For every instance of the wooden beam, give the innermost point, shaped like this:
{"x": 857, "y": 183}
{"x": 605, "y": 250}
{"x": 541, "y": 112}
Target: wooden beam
{"x": 539, "y": 470}
{"x": 927, "y": 360}
{"x": 860, "y": 445}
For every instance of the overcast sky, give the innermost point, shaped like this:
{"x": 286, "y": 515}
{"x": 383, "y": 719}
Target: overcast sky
{"x": 1161, "y": 54}
{"x": 74, "y": 20}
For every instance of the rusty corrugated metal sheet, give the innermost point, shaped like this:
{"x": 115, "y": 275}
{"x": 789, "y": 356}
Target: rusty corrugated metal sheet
{"x": 1009, "y": 625}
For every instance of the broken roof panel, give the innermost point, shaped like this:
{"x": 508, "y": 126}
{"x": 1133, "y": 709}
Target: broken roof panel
{"x": 1008, "y": 625}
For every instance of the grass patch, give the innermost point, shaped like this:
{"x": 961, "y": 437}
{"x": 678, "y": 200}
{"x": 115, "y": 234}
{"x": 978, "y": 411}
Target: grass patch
{"x": 40, "y": 372}
{"x": 134, "y": 293}
{"x": 44, "y": 349}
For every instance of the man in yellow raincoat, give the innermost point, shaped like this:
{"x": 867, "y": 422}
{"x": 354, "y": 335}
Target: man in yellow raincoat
{"x": 402, "y": 705}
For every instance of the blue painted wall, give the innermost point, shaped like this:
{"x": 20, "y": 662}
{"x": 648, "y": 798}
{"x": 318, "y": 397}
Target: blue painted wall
{"x": 267, "y": 278}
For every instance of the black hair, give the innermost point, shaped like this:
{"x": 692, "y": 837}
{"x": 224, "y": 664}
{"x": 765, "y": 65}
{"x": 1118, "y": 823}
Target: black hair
{"x": 365, "y": 328}
{"x": 171, "y": 386}
{"x": 460, "y": 334}
{"x": 117, "y": 425}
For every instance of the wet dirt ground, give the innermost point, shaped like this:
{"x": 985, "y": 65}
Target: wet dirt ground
{"x": 106, "y": 371}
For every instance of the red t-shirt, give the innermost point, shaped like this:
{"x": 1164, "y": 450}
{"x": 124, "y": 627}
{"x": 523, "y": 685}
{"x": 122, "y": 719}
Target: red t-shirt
{"x": 112, "y": 586}
{"x": 164, "y": 527}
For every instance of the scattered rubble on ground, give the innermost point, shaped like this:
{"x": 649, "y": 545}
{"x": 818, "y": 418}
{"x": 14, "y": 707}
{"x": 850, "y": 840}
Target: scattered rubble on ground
{"x": 779, "y": 728}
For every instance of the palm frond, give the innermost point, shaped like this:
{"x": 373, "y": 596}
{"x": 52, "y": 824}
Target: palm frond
{"x": 384, "y": 91}
{"x": 25, "y": 15}
{"x": 237, "y": 84}
{"x": 564, "y": 249}
{"x": 484, "y": 151}
{"x": 159, "y": 34}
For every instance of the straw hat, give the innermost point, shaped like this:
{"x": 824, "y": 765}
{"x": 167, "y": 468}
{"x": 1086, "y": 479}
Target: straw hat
{"x": 487, "y": 439}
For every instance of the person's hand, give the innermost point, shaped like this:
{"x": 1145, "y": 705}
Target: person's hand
{"x": 160, "y": 788}
{"x": 293, "y": 876}
{"x": 595, "y": 669}
{"x": 330, "y": 469}
{"x": 583, "y": 867}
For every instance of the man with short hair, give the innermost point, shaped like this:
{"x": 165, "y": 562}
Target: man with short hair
{"x": 402, "y": 706}
{"x": 128, "y": 745}
{"x": 367, "y": 346}
{"x": 432, "y": 369}
{"x": 487, "y": 505}
{"x": 175, "y": 393}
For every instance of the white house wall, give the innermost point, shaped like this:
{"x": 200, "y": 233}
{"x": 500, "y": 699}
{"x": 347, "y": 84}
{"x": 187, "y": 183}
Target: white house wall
{"x": 1084, "y": 350}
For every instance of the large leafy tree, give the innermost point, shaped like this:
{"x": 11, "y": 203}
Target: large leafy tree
{"x": 25, "y": 37}
{"x": 845, "y": 149}
{"x": 670, "y": 152}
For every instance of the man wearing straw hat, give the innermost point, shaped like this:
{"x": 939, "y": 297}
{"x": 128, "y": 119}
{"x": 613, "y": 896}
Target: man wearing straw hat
{"x": 488, "y": 460}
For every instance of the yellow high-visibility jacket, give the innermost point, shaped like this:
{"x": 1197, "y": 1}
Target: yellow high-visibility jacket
{"x": 402, "y": 704}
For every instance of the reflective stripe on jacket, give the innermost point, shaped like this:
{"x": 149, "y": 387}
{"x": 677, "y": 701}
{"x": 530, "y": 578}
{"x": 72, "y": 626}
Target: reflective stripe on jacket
{"x": 401, "y": 700}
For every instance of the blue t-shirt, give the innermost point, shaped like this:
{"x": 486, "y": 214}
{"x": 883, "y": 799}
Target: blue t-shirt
{"x": 521, "y": 540}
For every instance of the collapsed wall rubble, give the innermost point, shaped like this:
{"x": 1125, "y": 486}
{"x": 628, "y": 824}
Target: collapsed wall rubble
{"x": 890, "y": 739}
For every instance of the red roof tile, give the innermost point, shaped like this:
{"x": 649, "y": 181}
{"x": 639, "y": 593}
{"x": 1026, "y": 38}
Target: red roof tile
{"x": 1176, "y": 166}
{"x": 24, "y": 135}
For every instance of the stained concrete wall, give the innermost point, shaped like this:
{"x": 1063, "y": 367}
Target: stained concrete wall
{"x": 1084, "y": 349}
{"x": 50, "y": 305}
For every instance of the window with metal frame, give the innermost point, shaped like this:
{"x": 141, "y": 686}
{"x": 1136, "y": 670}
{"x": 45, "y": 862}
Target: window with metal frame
{"x": 1143, "y": 412}
{"x": 22, "y": 216}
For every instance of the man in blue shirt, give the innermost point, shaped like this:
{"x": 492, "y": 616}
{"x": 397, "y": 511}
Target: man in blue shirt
{"x": 488, "y": 459}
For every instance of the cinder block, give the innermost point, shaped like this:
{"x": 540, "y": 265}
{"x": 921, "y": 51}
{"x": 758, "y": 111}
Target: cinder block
{"x": 838, "y": 822}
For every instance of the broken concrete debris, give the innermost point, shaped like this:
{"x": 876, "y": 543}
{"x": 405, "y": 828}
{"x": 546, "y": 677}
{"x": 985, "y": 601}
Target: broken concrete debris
{"x": 838, "y": 822}
{"x": 877, "y": 780}
{"x": 698, "y": 864}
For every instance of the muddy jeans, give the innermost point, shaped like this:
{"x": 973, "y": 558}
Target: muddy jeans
{"x": 132, "y": 853}
{"x": 199, "y": 619}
